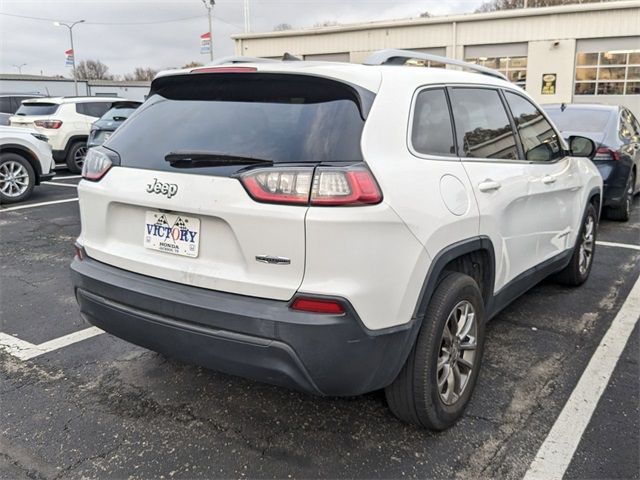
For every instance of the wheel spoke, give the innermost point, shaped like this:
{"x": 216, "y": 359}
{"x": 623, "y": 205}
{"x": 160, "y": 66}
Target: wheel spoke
{"x": 466, "y": 363}
{"x": 446, "y": 371}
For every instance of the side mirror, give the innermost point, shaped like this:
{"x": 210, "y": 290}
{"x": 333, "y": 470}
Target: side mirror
{"x": 581, "y": 147}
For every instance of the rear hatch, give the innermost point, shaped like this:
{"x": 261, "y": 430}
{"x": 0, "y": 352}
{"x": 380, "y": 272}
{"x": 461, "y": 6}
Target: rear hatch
{"x": 583, "y": 121}
{"x": 180, "y": 155}
{"x": 29, "y": 112}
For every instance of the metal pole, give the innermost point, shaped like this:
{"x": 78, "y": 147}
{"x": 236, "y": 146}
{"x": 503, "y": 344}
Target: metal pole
{"x": 247, "y": 17}
{"x": 525, "y": 3}
{"x": 73, "y": 56}
{"x": 210, "y": 33}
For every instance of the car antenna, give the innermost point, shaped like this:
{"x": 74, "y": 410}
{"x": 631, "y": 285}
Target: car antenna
{"x": 563, "y": 107}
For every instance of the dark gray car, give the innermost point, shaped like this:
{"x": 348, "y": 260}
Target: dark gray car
{"x": 102, "y": 129}
{"x": 616, "y": 132}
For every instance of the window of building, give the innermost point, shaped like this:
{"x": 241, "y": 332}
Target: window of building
{"x": 514, "y": 68}
{"x": 482, "y": 124}
{"x": 616, "y": 72}
{"x": 432, "y": 132}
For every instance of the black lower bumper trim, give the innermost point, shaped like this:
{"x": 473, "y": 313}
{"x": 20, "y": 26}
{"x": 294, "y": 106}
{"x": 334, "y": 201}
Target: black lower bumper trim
{"x": 250, "y": 337}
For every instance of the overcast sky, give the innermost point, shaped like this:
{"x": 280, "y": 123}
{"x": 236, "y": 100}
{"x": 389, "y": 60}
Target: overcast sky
{"x": 119, "y": 32}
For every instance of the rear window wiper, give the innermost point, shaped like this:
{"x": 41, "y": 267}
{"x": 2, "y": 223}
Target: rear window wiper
{"x": 188, "y": 159}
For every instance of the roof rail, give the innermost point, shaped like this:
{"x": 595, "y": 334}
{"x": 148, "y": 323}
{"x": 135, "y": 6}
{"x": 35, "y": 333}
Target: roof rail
{"x": 398, "y": 57}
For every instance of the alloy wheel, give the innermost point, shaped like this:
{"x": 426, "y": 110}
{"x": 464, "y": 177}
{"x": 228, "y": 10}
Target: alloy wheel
{"x": 14, "y": 179}
{"x": 79, "y": 155}
{"x": 457, "y": 357}
{"x": 586, "y": 245}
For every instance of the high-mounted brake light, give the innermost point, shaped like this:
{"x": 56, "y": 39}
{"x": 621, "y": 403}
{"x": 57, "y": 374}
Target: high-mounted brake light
{"x": 317, "y": 305}
{"x": 97, "y": 163}
{"x": 224, "y": 70}
{"x": 322, "y": 186}
{"x": 53, "y": 124}
{"x": 604, "y": 153}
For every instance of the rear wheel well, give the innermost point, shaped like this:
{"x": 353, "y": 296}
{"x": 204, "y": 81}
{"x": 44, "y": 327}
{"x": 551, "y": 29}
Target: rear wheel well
{"x": 595, "y": 201}
{"x": 27, "y": 155}
{"x": 478, "y": 266}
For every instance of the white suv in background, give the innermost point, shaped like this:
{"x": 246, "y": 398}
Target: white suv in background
{"x": 66, "y": 121}
{"x": 330, "y": 227}
{"x": 25, "y": 161}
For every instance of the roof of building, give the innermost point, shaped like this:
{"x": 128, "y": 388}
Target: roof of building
{"x": 96, "y": 83}
{"x": 468, "y": 17}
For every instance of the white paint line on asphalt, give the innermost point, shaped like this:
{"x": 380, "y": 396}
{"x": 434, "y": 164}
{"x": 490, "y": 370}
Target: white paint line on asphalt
{"x": 41, "y": 204}
{"x": 558, "y": 449}
{"x": 25, "y": 351}
{"x": 72, "y": 185}
{"x": 619, "y": 245}
{"x": 67, "y": 177}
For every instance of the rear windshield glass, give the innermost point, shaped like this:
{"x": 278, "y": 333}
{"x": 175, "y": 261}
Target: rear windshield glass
{"x": 275, "y": 117}
{"x": 580, "y": 120}
{"x": 118, "y": 113}
{"x": 37, "y": 108}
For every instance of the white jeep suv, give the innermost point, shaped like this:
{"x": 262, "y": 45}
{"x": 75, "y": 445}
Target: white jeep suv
{"x": 66, "y": 121}
{"x": 25, "y": 161}
{"x": 333, "y": 228}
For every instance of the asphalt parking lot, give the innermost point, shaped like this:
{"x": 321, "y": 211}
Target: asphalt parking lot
{"x": 92, "y": 405}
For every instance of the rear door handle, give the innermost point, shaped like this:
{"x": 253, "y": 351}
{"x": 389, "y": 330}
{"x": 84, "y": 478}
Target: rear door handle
{"x": 548, "y": 180}
{"x": 489, "y": 185}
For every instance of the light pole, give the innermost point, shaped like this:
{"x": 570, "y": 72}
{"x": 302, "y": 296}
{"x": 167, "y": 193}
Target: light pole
{"x": 73, "y": 57}
{"x": 19, "y": 67}
{"x": 208, "y": 4}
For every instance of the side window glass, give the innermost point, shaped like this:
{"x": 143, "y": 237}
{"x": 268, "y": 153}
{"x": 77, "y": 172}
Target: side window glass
{"x": 539, "y": 140}
{"x": 482, "y": 124}
{"x": 626, "y": 126}
{"x": 97, "y": 109}
{"x": 80, "y": 108}
{"x": 431, "y": 132}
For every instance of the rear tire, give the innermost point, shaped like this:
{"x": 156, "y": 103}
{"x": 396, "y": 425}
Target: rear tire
{"x": 577, "y": 272}
{"x": 75, "y": 157}
{"x": 17, "y": 178}
{"x": 434, "y": 387}
{"x": 622, "y": 213}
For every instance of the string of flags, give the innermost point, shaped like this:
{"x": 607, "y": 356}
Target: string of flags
{"x": 205, "y": 43}
{"x": 69, "y": 58}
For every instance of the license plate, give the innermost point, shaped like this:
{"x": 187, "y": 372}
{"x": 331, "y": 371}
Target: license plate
{"x": 171, "y": 233}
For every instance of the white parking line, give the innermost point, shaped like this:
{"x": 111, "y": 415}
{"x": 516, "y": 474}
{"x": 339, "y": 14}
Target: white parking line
{"x": 25, "y": 351}
{"x": 619, "y": 245}
{"x": 41, "y": 204}
{"x": 558, "y": 449}
{"x": 72, "y": 185}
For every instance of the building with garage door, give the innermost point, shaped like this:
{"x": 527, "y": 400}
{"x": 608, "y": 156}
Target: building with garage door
{"x": 575, "y": 53}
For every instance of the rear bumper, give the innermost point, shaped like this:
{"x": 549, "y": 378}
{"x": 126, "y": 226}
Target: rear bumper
{"x": 246, "y": 336}
{"x": 615, "y": 175}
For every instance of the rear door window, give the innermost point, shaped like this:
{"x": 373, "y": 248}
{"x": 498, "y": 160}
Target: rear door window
{"x": 275, "y": 117}
{"x": 37, "y": 108}
{"x": 482, "y": 124}
{"x": 432, "y": 131}
{"x": 5, "y": 105}
{"x": 93, "y": 109}
{"x": 540, "y": 141}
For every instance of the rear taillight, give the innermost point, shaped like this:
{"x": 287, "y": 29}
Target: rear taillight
{"x": 604, "y": 153}
{"x": 52, "y": 124}
{"x": 97, "y": 163}
{"x": 322, "y": 186}
{"x": 318, "y": 305}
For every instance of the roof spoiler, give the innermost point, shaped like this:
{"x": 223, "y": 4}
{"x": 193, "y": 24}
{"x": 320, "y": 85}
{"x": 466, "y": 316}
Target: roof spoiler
{"x": 399, "y": 57}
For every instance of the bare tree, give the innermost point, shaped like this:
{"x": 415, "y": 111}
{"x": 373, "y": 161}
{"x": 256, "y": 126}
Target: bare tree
{"x": 91, "y": 70}
{"x": 495, "y": 5}
{"x": 281, "y": 27}
{"x": 141, "y": 74}
{"x": 192, "y": 65}
{"x": 326, "y": 23}
{"x": 425, "y": 15}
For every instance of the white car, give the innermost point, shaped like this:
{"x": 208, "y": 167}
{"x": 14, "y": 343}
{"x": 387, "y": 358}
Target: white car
{"x": 331, "y": 227}
{"x": 25, "y": 161}
{"x": 66, "y": 121}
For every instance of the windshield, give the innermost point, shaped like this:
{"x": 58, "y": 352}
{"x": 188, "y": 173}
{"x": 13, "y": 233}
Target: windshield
{"x": 276, "y": 119}
{"x": 119, "y": 113}
{"x": 37, "y": 108}
{"x": 580, "y": 119}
